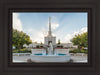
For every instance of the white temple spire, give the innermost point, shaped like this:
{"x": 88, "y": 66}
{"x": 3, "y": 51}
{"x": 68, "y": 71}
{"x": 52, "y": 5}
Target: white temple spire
{"x": 49, "y": 26}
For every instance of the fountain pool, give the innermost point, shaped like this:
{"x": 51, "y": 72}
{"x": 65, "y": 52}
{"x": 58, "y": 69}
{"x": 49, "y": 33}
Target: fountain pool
{"x": 51, "y": 56}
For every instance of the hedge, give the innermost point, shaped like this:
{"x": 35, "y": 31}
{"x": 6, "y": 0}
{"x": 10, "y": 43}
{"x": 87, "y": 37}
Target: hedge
{"x": 21, "y": 51}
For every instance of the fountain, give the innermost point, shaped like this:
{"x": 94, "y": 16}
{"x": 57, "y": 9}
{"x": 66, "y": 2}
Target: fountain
{"x": 50, "y": 49}
{"x": 51, "y": 56}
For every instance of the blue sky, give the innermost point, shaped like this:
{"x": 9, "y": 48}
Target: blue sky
{"x": 64, "y": 25}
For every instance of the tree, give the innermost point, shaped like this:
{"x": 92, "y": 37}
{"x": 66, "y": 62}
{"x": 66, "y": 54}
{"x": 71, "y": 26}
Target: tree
{"x": 59, "y": 41}
{"x": 20, "y": 38}
{"x": 41, "y": 43}
{"x": 81, "y": 40}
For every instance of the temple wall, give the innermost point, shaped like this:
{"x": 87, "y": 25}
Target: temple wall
{"x": 36, "y": 51}
{"x": 62, "y": 51}
{"x": 47, "y": 39}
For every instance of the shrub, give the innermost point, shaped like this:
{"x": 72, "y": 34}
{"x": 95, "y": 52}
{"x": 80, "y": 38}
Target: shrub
{"x": 61, "y": 46}
{"x": 58, "y": 46}
{"x": 78, "y": 51}
{"x": 82, "y": 51}
{"x": 41, "y": 46}
{"x": 21, "y": 51}
{"x": 37, "y": 46}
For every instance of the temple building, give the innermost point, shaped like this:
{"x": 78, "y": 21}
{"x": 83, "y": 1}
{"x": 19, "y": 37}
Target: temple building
{"x": 49, "y": 38}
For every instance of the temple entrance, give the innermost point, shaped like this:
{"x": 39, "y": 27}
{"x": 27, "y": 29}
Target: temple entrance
{"x": 49, "y": 42}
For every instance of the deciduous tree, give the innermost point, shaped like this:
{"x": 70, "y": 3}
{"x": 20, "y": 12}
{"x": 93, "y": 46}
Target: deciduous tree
{"x": 81, "y": 40}
{"x": 20, "y": 38}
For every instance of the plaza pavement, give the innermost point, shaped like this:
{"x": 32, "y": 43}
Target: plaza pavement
{"x": 76, "y": 59}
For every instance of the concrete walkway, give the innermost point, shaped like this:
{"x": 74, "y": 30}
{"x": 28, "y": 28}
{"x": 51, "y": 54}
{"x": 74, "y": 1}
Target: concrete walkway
{"x": 79, "y": 59}
{"x": 76, "y": 59}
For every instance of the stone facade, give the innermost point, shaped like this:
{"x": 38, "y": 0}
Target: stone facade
{"x": 49, "y": 39}
{"x": 37, "y": 50}
{"x": 62, "y": 50}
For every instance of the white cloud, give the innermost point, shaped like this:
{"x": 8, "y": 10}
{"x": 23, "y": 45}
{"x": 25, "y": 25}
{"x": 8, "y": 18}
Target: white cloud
{"x": 83, "y": 30}
{"x": 45, "y": 31}
{"x": 17, "y": 24}
{"x": 36, "y": 35}
{"x": 68, "y": 37}
{"x": 54, "y": 26}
